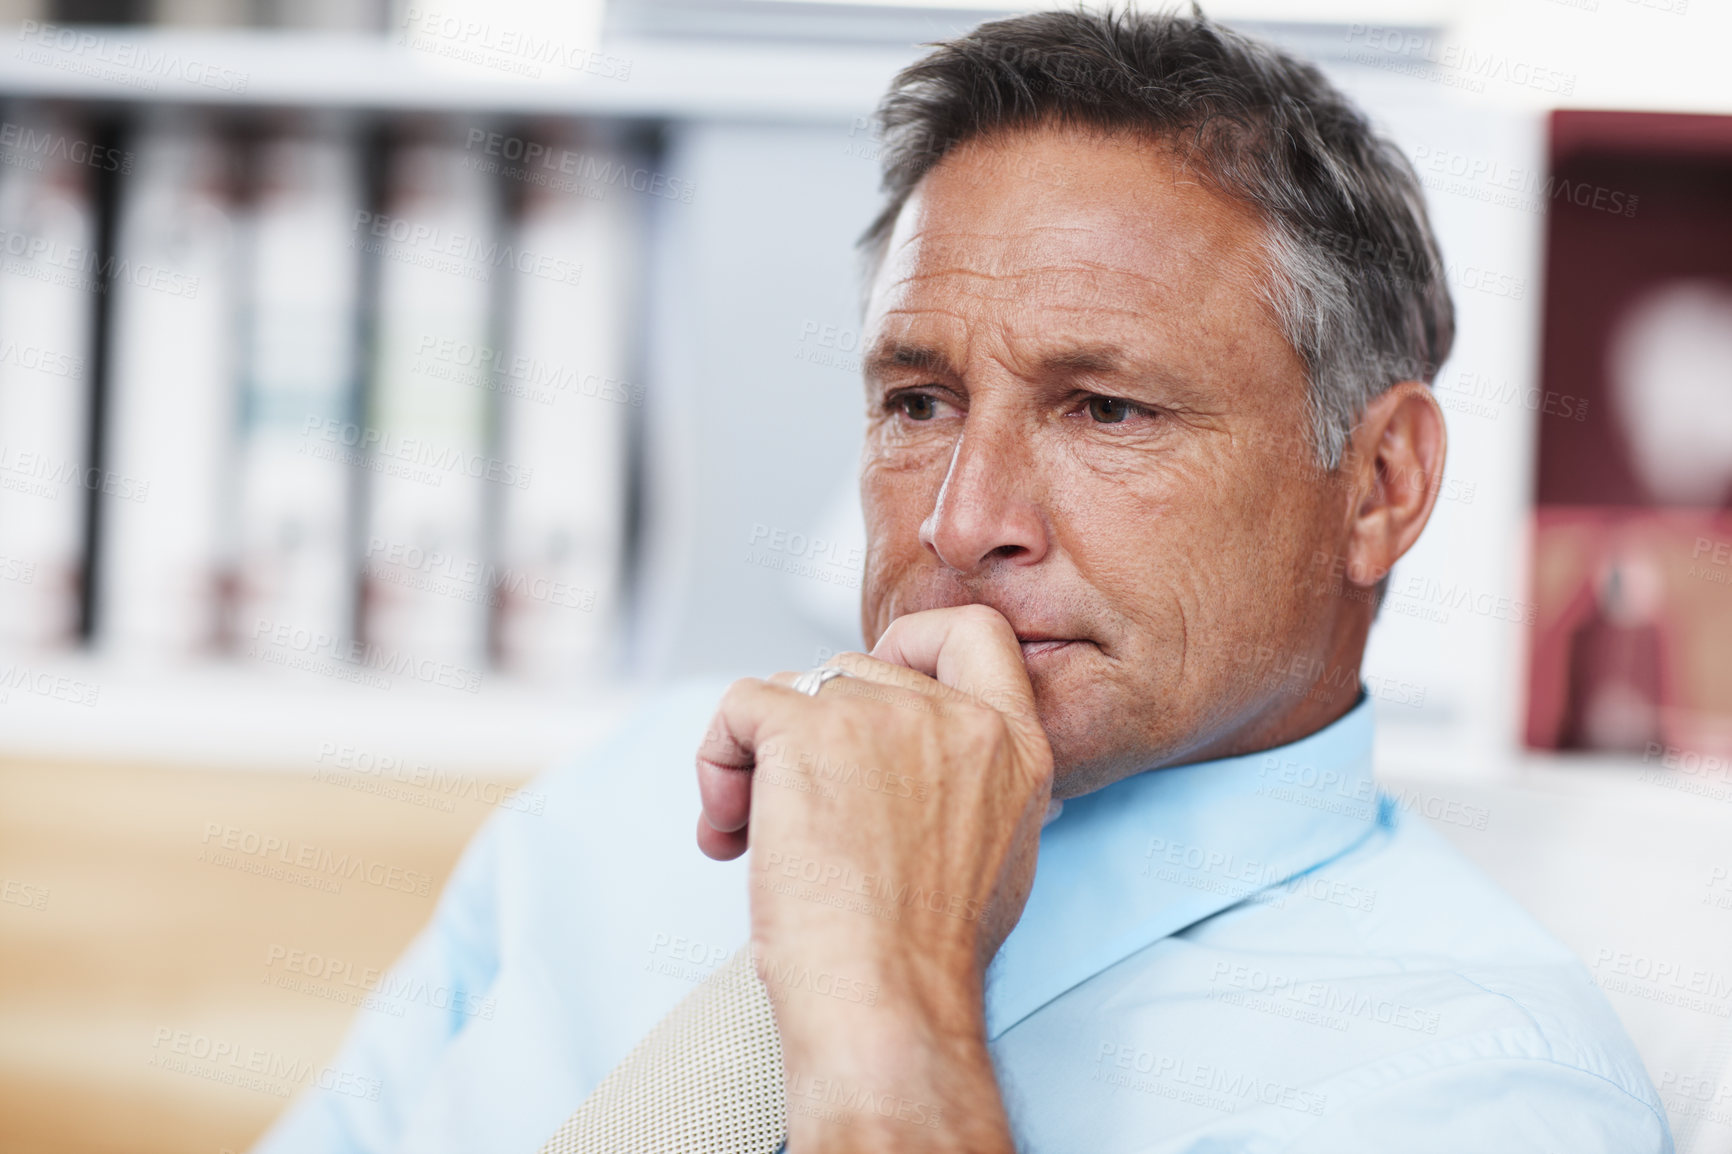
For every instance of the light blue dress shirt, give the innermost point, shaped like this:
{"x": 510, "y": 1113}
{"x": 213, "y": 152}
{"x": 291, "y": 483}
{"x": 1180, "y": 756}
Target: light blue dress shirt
{"x": 1256, "y": 954}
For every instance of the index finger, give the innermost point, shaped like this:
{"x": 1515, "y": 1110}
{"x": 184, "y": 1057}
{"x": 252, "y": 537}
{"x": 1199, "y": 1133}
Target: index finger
{"x": 970, "y": 648}
{"x": 725, "y": 761}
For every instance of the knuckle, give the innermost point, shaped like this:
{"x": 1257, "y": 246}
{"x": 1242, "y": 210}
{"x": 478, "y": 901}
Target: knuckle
{"x": 737, "y": 690}
{"x": 980, "y": 728}
{"x": 983, "y": 615}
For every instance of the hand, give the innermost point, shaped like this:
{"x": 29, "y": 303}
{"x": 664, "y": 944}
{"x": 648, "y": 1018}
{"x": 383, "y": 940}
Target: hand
{"x": 894, "y": 822}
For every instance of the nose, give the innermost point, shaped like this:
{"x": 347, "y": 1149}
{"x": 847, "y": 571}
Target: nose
{"x": 987, "y": 510}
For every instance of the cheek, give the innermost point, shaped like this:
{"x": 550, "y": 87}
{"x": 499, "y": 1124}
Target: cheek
{"x": 1128, "y": 534}
{"x": 897, "y": 492}
{"x": 894, "y": 503}
{"x": 1179, "y": 553}
{"x": 888, "y": 506}
{"x": 1255, "y": 572}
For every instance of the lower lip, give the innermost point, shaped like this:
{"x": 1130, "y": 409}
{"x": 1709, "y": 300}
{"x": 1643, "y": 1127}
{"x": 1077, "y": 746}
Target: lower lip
{"x": 1033, "y": 649}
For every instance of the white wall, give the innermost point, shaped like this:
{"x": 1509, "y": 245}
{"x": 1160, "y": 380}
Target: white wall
{"x": 750, "y": 432}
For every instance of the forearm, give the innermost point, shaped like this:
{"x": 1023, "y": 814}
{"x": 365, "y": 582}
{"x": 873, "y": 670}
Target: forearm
{"x": 905, "y": 1073}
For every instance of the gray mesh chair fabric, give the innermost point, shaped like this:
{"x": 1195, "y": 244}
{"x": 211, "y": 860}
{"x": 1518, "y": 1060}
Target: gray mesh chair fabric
{"x": 706, "y": 1080}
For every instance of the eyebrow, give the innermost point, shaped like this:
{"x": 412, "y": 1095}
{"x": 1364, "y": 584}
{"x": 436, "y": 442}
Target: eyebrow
{"x": 900, "y": 356}
{"x": 1086, "y": 360}
{"x": 1098, "y": 359}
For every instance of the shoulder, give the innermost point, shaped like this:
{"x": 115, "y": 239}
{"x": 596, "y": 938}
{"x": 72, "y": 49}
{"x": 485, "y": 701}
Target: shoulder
{"x": 1512, "y": 1020}
{"x": 1547, "y": 1085}
{"x": 1505, "y": 1089}
{"x": 1393, "y": 997}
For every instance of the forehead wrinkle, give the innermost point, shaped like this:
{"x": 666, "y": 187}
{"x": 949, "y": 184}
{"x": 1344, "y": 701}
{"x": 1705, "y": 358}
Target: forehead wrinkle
{"x": 903, "y": 319}
{"x": 922, "y": 276}
{"x": 1115, "y": 225}
{"x": 1077, "y": 284}
{"x": 992, "y": 246}
{"x": 1025, "y": 335}
{"x": 909, "y": 314}
{"x": 1017, "y": 315}
{"x": 1028, "y": 361}
{"x": 989, "y": 297}
{"x": 1003, "y": 267}
{"x": 973, "y": 300}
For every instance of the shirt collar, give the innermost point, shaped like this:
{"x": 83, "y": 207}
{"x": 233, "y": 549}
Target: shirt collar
{"x": 1144, "y": 858}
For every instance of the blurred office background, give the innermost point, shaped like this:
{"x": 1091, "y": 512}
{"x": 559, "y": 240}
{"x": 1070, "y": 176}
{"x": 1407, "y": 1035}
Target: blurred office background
{"x": 392, "y": 395}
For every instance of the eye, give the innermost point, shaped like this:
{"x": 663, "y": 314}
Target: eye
{"x": 1109, "y": 410}
{"x": 915, "y": 406}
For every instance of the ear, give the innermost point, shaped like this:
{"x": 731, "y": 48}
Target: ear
{"x": 1393, "y": 469}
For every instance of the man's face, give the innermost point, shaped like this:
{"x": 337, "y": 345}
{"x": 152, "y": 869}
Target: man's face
{"x": 1081, "y": 411}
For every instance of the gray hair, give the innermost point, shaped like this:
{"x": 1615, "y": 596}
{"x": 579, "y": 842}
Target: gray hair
{"x": 1357, "y": 282}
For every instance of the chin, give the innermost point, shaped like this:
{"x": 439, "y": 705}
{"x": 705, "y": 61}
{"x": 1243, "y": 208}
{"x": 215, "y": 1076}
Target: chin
{"x": 1091, "y": 740}
{"x": 1083, "y": 762}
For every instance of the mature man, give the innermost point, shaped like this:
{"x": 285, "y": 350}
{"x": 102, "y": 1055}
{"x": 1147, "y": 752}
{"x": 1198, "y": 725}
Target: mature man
{"x": 1086, "y": 854}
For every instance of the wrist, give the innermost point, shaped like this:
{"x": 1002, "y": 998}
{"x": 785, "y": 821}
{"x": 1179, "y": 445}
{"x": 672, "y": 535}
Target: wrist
{"x": 874, "y": 998}
{"x": 910, "y": 1071}
{"x": 894, "y": 1090}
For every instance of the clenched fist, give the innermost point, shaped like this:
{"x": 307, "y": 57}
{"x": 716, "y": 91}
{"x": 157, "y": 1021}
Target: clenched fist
{"x": 893, "y": 822}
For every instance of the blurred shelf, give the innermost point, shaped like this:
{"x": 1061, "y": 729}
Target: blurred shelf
{"x": 645, "y": 78}
{"x": 235, "y": 715}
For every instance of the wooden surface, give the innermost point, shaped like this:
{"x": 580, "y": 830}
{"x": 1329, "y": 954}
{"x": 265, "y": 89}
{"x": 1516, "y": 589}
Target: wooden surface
{"x": 131, "y": 941}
